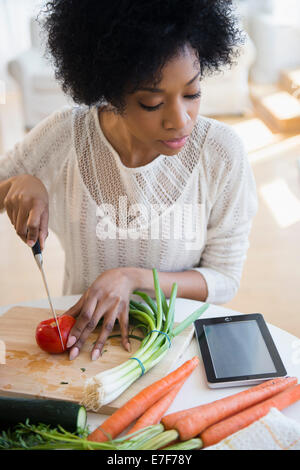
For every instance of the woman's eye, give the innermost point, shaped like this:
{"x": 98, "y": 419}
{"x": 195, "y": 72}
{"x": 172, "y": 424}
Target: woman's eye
{"x": 150, "y": 108}
{"x": 193, "y": 97}
{"x": 154, "y": 108}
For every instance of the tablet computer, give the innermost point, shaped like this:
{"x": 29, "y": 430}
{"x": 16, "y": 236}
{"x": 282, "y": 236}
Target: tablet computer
{"x": 237, "y": 350}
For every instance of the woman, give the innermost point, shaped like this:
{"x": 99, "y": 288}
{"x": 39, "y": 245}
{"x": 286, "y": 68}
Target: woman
{"x": 132, "y": 177}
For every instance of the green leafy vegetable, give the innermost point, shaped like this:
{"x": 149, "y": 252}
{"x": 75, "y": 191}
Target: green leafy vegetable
{"x": 157, "y": 319}
{"x": 26, "y": 436}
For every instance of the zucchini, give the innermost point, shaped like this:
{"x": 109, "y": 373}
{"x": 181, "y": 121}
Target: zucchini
{"x": 71, "y": 416}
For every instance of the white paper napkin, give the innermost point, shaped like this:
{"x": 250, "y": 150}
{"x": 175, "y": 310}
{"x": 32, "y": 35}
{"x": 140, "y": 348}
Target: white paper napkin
{"x": 274, "y": 431}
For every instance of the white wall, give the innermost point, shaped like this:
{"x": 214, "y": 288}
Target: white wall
{"x": 14, "y": 28}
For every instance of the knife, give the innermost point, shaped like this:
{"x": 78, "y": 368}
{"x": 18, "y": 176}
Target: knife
{"x": 37, "y": 252}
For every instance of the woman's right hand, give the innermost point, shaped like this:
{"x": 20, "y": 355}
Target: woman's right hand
{"x": 27, "y": 205}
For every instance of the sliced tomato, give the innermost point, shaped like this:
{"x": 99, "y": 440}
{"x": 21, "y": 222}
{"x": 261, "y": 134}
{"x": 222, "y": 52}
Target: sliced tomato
{"x": 47, "y": 335}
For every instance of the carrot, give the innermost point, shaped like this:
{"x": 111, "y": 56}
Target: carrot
{"x": 154, "y": 414}
{"x": 137, "y": 405}
{"x": 199, "y": 418}
{"x": 228, "y": 426}
{"x": 169, "y": 421}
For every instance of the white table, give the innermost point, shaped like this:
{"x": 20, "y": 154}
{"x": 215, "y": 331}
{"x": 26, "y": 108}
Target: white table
{"x": 195, "y": 391}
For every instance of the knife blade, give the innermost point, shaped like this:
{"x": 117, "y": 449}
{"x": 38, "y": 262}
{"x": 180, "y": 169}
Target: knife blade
{"x": 37, "y": 252}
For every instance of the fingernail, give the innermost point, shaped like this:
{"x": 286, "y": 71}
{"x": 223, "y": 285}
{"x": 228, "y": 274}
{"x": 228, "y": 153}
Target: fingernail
{"x": 30, "y": 243}
{"x": 71, "y": 341}
{"x": 95, "y": 354}
{"x": 128, "y": 347}
{"x": 74, "y": 353}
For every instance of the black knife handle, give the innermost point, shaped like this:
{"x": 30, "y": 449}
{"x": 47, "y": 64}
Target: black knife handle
{"x": 36, "y": 248}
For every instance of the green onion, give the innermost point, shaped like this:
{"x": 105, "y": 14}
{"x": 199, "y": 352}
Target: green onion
{"x": 186, "y": 445}
{"x": 158, "y": 320}
{"x": 26, "y": 436}
{"x": 159, "y": 441}
{"x": 147, "y": 299}
{"x": 190, "y": 319}
{"x": 141, "y": 307}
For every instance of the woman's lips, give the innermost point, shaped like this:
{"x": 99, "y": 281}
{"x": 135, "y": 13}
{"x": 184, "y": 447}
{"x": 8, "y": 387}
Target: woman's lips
{"x": 175, "y": 143}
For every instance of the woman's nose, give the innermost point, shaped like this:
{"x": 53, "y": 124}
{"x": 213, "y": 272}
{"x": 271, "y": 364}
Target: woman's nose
{"x": 176, "y": 118}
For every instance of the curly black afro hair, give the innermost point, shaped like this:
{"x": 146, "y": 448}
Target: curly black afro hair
{"x": 104, "y": 49}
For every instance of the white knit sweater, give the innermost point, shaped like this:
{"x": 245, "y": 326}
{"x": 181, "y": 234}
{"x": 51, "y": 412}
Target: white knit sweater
{"x": 108, "y": 215}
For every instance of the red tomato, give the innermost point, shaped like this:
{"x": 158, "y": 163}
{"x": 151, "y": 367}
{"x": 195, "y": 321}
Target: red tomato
{"x": 47, "y": 335}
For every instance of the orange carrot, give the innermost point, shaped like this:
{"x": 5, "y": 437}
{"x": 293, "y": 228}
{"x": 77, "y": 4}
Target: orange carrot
{"x": 170, "y": 420}
{"x": 228, "y": 426}
{"x": 154, "y": 414}
{"x": 263, "y": 389}
{"x": 137, "y": 405}
{"x": 199, "y": 418}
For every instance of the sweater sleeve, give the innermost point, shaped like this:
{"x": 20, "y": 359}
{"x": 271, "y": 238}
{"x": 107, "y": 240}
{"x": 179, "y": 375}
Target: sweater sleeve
{"x": 42, "y": 151}
{"x": 233, "y": 206}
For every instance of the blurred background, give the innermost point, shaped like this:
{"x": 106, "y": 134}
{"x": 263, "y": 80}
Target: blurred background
{"x": 259, "y": 97}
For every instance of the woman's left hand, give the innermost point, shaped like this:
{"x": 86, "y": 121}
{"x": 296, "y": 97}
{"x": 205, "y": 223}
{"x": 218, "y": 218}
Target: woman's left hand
{"x": 107, "y": 297}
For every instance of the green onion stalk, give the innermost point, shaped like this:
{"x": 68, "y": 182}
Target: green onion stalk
{"x": 157, "y": 319}
{"x": 26, "y": 436}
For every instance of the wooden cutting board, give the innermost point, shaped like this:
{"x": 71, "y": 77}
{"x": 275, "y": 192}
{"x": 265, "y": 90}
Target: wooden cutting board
{"x": 31, "y": 372}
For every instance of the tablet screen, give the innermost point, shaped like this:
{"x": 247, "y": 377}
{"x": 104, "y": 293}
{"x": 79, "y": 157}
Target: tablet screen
{"x": 238, "y": 349}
